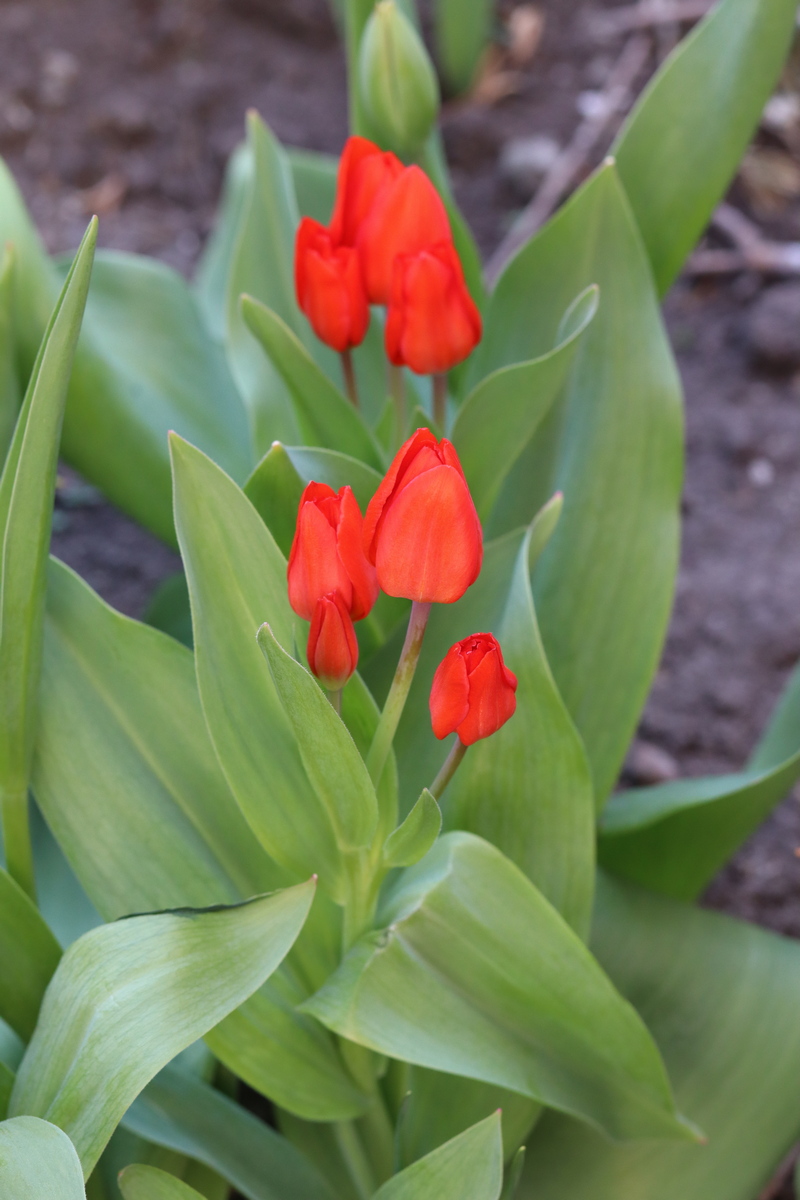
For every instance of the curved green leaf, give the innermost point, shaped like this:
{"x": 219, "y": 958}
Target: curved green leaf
{"x": 502, "y": 413}
{"x": 186, "y": 1115}
{"x": 470, "y": 1167}
{"x": 26, "y": 507}
{"x": 274, "y": 489}
{"x": 463, "y": 32}
{"x": 237, "y": 580}
{"x": 324, "y": 415}
{"x": 29, "y": 955}
{"x": 721, "y": 999}
{"x": 335, "y": 469}
{"x": 10, "y": 388}
{"x": 314, "y": 176}
{"x": 38, "y": 1162}
{"x": 140, "y": 1182}
{"x": 675, "y": 837}
{"x": 475, "y": 974}
{"x": 128, "y": 997}
{"x": 528, "y": 788}
{"x": 412, "y": 840}
{"x": 604, "y": 586}
{"x": 679, "y": 149}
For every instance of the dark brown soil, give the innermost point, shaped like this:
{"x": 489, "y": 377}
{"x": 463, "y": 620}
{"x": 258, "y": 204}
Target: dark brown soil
{"x": 133, "y": 106}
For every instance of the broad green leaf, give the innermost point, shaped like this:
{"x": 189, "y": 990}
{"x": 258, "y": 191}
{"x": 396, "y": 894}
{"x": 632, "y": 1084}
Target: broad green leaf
{"x": 129, "y": 782}
{"x": 140, "y": 1182}
{"x": 419, "y": 754}
{"x": 335, "y": 469}
{"x": 185, "y": 1114}
{"x": 412, "y": 840}
{"x": 314, "y": 178}
{"x": 475, "y": 974}
{"x": 680, "y": 147}
{"x": 128, "y": 997}
{"x": 36, "y": 284}
{"x": 169, "y": 610}
{"x": 7, "y": 1078}
{"x": 502, "y": 413}
{"x": 613, "y": 445}
{"x": 237, "y": 580}
{"x": 62, "y": 901}
{"x": 38, "y": 1162}
{"x": 213, "y": 269}
{"x": 528, "y": 789}
{"x": 334, "y": 766}
{"x": 123, "y": 752}
{"x": 675, "y": 837}
{"x": 145, "y": 365}
{"x": 274, "y": 489}
{"x": 721, "y": 999}
{"x": 463, "y": 29}
{"x": 470, "y": 1167}
{"x": 10, "y": 389}
{"x": 324, "y": 415}
{"x": 26, "y": 507}
{"x": 29, "y": 955}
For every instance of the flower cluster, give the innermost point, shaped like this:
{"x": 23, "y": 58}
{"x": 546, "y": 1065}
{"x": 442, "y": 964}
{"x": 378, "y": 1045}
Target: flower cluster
{"x": 389, "y": 242}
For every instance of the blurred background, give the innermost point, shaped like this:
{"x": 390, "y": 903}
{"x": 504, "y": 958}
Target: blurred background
{"x": 130, "y": 109}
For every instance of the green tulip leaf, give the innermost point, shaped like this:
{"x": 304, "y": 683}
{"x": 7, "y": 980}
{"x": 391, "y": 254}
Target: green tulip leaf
{"x": 38, "y": 1162}
{"x": 36, "y": 284}
{"x": 128, "y": 997}
{"x": 470, "y": 1167}
{"x": 169, "y": 610}
{"x": 604, "y": 586}
{"x": 675, "y": 837}
{"x": 475, "y": 974}
{"x": 463, "y": 31}
{"x": 212, "y": 275}
{"x": 502, "y": 413}
{"x": 29, "y": 955}
{"x": 314, "y": 176}
{"x": 412, "y": 840}
{"x": 147, "y": 821}
{"x": 184, "y": 1114}
{"x": 334, "y": 766}
{"x": 528, "y": 788}
{"x": 274, "y": 489}
{"x": 721, "y": 999}
{"x": 10, "y": 388}
{"x": 141, "y": 1182}
{"x": 27, "y": 486}
{"x": 324, "y": 415}
{"x": 335, "y": 469}
{"x": 680, "y": 147}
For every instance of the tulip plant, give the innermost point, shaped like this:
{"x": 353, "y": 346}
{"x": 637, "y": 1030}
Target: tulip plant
{"x": 361, "y": 821}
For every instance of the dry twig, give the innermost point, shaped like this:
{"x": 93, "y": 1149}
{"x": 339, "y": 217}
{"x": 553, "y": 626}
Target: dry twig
{"x": 613, "y": 100}
{"x": 649, "y": 13}
{"x": 751, "y": 251}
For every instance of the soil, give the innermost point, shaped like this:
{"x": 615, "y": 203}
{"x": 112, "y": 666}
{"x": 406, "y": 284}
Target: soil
{"x": 133, "y": 107}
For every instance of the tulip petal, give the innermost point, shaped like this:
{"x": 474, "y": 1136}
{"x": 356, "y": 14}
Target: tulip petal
{"x": 430, "y": 546}
{"x": 449, "y": 701}
{"x": 314, "y": 564}
{"x": 351, "y": 552}
{"x": 491, "y": 701}
{"x": 390, "y": 481}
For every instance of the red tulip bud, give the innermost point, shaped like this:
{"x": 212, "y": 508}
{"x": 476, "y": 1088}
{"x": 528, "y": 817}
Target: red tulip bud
{"x": 332, "y": 643}
{"x": 327, "y": 553}
{"x": 421, "y": 529}
{"x": 473, "y": 690}
{"x": 329, "y": 287}
{"x": 364, "y": 170}
{"x": 433, "y": 322}
{"x": 406, "y": 217}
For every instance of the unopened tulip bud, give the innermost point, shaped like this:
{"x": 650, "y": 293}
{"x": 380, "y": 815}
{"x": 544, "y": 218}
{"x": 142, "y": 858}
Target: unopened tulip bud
{"x": 332, "y": 643}
{"x": 364, "y": 171}
{"x": 432, "y": 323}
{"x": 421, "y": 529}
{"x": 407, "y": 216}
{"x": 397, "y": 81}
{"x": 330, "y": 290}
{"x": 473, "y": 690}
{"x": 327, "y": 554}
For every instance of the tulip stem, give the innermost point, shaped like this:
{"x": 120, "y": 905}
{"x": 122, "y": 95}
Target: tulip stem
{"x": 440, "y": 402}
{"x": 335, "y": 698}
{"x": 449, "y": 768}
{"x": 398, "y": 692}
{"x": 397, "y": 388}
{"x": 348, "y": 371}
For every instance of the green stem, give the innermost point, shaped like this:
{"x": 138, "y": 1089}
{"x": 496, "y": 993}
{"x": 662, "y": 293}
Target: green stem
{"x": 336, "y": 700}
{"x": 349, "y": 373}
{"x": 440, "y": 402}
{"x": 449, "y": 768}
{"x": 355, "y": 1158}
{"x": 397, "y": 387}
{"x": 398, "y": 693}
{"x": 17, "y": 839}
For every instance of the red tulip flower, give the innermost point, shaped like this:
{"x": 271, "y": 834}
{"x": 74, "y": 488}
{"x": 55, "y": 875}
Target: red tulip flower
{"x": 433, "y": 322}
{"x": 332, "y": 644}
{"x": 406, "y": 217}
{"x": 329, "y": 287}
{"x": 473, "y": 690}
{"x": 421, "y": 529}
{"x": 327, "y": 553}
{"x": 364, "y": 171}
